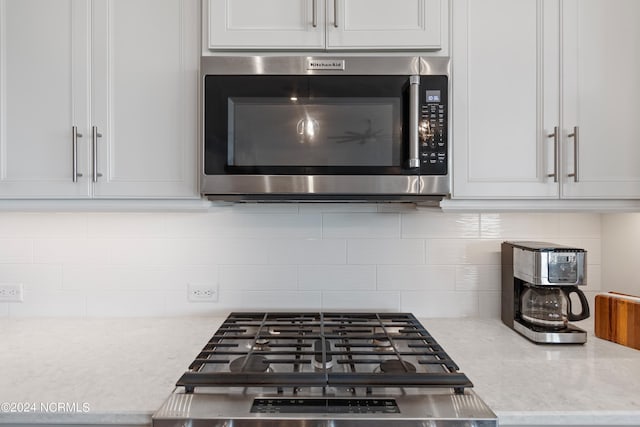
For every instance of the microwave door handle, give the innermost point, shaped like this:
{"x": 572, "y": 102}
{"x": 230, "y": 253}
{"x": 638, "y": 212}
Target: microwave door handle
{"x": 414, "y": 116}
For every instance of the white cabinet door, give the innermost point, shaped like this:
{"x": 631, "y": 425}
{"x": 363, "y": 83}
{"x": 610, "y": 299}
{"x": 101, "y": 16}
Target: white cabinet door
{"x": 43, "y": 92}
{"x": 601, "y": 97}
{"x": 272, "y": 24}
{"x": 505, "y": 98}
{"x": 384, "y": 24}
{"x": 144, "y": 97}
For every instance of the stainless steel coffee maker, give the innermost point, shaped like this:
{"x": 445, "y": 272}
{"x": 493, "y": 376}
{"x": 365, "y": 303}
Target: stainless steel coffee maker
{"x": 538, "y": 280}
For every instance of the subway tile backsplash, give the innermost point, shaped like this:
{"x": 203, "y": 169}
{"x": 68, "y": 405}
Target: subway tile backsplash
{"x": 352, "y": 257}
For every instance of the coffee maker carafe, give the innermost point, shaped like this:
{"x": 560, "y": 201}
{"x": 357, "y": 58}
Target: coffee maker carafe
{"x": 538, "y": 280}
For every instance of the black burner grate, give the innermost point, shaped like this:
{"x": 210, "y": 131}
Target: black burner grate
{"x": 321, "y": 350}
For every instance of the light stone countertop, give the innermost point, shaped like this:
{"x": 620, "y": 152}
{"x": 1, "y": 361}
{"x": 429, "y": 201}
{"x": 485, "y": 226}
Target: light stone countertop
{"x": 531, "y": 384}
{"x": 119, "y": 371}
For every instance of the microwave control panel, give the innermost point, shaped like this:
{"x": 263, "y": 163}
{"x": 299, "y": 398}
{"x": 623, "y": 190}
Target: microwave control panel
{"x": 433, "y": 131}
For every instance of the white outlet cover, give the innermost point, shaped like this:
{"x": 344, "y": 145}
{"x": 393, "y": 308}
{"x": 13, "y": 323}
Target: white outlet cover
{"x": 11, "y": 292}
{"x": 202, "y": 292}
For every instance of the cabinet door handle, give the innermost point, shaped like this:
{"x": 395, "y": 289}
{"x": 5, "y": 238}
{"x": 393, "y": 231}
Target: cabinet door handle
{"x": 576, "y": 150}
{"x": 74, "y": 153}
{"x": 335, "y": 13}
{"x": 554, "y": 135}
{"x": 94, "y": 142}
{"x": 314, "y": 13}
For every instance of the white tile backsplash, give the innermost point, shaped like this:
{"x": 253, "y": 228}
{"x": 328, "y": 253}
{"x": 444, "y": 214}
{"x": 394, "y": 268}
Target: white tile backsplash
{"x": 177, "y": 304}
{"x": 620, "y": 249}
{"x": 118, "y": 303}
{"x": 441, "y": 303}
{"x": 433, "y": 225}
{"x": 489, "y": 304}
{"x": 187, "y": 251}
{"x": 69, "y": 251}
{"x": 361, "y": 225}
{"x": 579, "y": 226}
{"x": 269, "y": 300}
{"x": 385, "y": 251}
{"x": 43, "y": 225}
{"x": 594, "y": 279}
{"x": 463, "y": 251}
{"x": 253, "y": 277}
{"x": 136, "y": 277}
{"x": 102, "y": 226}
{"x": 337, "y": 277}
{"x": 416, "y": 277}
{"x": 266, "y": 226}
{"x": 478, "y": 277}
{"x": 276, "y": 257}
{"x": 361, "y": 301}
{"x": 516, "y": 226}
{"x": 16, "y": 251}
{"x": 35, "y": 276}
{"x": 159, "y": 251}
{"x": 312, "y": 251}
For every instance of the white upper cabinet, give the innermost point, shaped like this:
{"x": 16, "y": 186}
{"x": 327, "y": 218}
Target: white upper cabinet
{"x": 144, "y": 97}
{"x": 601, "y": 97}
{"x": 326, "y": 24}
{"x": 503, "y": 81}
{"x": 126, "y": 68}
{"x": 257, "y": 24}
{"x": 384, "y": 24}
{"x": 508, "y": 102}
{"x": 43, "y": 76}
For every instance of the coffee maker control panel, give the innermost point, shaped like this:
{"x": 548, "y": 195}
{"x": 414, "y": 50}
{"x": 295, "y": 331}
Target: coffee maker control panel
{"x": 551, "y": 265}
{"x": 563, "y": 267}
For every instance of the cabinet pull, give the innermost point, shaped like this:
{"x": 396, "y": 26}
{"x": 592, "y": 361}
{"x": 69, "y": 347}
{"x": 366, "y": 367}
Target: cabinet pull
{"x": 576, "y": 142}
{"x": 554, "y": 135}
{"x": 94, "y": 142}
{"x": 74, "y": 153}
{"x": 314, "y": 19}
{"x": 335, "y": 13}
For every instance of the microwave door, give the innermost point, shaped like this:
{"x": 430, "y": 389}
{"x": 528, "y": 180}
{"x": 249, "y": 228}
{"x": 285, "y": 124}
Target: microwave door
{"x": 332, "y": 125}
{"x": 320, "y": 134}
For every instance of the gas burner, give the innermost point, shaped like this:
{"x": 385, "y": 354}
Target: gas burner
{"x": 254, "y": 363}
{"x": 317, "y": 357}
{"x": 381, "y": 342}
{"x": 261, "y": 344}
{"x": 274, "y": 330}
{"x": 394, "y": 366}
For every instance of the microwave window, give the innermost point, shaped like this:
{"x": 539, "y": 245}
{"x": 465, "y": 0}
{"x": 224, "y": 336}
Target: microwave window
{"x": 292, "y": 131}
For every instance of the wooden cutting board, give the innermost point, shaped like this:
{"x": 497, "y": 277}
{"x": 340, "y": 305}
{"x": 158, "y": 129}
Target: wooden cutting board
{"x": 617, "y": 318}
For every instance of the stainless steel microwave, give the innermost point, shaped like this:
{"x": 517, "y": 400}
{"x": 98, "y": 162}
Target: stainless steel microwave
{"x": 325, "y": 128}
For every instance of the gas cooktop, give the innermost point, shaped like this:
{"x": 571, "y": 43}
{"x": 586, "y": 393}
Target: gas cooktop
{"x": 293, "y": 369}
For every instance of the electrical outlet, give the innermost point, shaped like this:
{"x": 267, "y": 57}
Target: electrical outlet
{"x": 202, "y": 292}
{"x": 11, "y": 292}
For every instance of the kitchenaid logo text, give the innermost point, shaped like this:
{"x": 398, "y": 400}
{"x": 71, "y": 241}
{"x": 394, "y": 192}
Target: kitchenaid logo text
{"x": 325, "y": 64}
